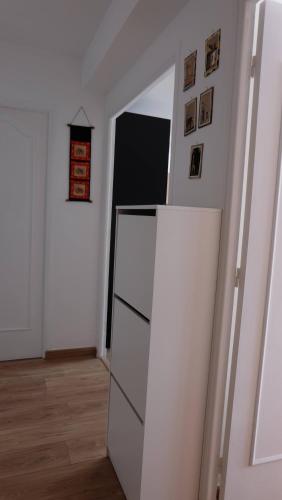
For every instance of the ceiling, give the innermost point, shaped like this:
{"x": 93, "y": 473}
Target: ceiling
{"x": 63, "y": 26}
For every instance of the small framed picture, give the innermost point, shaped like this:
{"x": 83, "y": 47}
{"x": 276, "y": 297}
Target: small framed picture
{"x": 190, "y": 65}
{"x": 80, "y": 170}
{"x": 80, "y": 150}
{"x": 79, "y": 190}
{"x": 212, "y": 53}
{"x": 196, "y": 161}
{"x": 206, "y": 108}
{"x": 190, "y": 121}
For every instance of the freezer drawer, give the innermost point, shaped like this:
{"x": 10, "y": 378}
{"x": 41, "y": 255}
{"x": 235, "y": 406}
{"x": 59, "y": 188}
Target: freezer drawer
{"x": 135, "y": 259}
{"x": 125, "y": 443}
{"x": 130, "y": 353}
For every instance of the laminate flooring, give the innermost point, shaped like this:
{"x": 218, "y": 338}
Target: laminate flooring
{"x": 53, "y": 418}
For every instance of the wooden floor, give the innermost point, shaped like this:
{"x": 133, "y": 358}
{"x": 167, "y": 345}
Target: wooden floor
{"x": 53, "y": 418}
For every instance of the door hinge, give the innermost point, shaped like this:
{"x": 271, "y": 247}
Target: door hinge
{"x": 253, "y": 66}
{"x": 237, "y": 277}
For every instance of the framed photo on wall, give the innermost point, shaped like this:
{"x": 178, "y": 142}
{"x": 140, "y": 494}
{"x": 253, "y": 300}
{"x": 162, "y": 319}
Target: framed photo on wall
{"x": 79, "y": 190}
{"x": 80, "y": 150}
{"x": 212, "y": 52}
{"x": 196, "y": 161}
{"x": 190, "y": 120}
{"x": 206, "y": 108}
{"x": 80, "y": 162}
{"x": 190, "y": 66}
{"x": 80, "y": 170}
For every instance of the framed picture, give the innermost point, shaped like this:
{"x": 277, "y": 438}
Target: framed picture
{"x": 79, "y": 177}
{"x": 190, "y": 121}
{"x": 196, "y": 161}
{"x": 80, "y": 150}
{"x": 79, "y": 190}
{"x": 206, "y": 108}
{"x": 190, "y": 65}
{"x": 212, "y": 53}
{"x": 80, "y": 170}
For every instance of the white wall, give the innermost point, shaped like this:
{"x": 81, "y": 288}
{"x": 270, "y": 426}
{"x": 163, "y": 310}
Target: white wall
{"x": 157, "y": 100}
{"x": 38, "y": 81}
{"x": 185, "y": 33}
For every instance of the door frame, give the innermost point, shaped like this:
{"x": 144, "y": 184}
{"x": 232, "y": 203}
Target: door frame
{"x": 228, "y": 254}
{"x": 241, "y": 288}
{"x": 110, "y": 154}
{"x": 47, "y": 113}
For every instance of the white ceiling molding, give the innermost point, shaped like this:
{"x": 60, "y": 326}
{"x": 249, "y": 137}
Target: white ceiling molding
{"x": 114, "y": 20}
{"x": 127, "y": 30}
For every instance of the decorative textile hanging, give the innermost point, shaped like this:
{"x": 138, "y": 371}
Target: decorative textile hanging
{"x": 80, "y": 160}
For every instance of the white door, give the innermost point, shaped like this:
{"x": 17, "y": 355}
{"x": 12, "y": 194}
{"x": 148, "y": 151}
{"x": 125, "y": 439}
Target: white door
{"x": 23, "y": 138}
{"x": 253, "y": 448}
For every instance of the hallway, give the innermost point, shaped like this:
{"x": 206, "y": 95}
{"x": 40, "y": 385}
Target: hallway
{"x": 53, "y": 417}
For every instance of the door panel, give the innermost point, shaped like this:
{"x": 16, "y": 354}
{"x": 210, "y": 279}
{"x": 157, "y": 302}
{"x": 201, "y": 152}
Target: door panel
{"x": 253, "y": 448}
{"x": 135, "y": 260}
{"x": 268, "y": 436}
{"x": 22, "y": 196}
{"x": 130, "y": 355}
{"x": 15, "y": 221}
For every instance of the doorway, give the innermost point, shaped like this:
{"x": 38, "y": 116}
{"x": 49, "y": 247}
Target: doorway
{"x": 141, "y": 160}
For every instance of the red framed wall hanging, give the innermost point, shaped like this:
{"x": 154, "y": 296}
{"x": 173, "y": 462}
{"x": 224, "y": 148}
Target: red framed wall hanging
{"x": 80, "y": 162}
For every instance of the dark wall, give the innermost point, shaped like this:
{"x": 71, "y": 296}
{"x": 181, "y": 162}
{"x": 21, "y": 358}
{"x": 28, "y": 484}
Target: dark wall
{"x": 140, "y": 172}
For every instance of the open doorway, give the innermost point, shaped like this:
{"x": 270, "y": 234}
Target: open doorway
{"x": 141, "y": 162}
